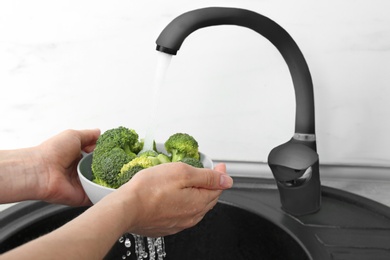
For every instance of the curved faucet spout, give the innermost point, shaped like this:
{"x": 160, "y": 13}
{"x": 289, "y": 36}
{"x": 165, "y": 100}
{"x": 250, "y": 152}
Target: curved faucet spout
{"x": 172, "y": 37}
{"x": 295, "y": 164}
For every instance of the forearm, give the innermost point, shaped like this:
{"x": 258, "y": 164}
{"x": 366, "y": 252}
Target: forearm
{"x": 89, "y": 236}
{"x": 19, "y": 171}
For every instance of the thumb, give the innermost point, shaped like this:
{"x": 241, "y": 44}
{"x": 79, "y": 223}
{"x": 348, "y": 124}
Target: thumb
{"x": 88, "y": 138}
{"x": 211, "y": 179}
{"x": 221, "y": 167}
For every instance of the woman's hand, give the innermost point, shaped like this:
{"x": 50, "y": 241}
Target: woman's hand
{"x": 59, "y": 155}
{"x": 47, "y": 171}
{"x": 168, "y": 198}
{"x": 157, "y": 201}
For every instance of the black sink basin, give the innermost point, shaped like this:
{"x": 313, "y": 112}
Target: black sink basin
{"x": 227, "y": 232}
{"x": 247, "y": 223}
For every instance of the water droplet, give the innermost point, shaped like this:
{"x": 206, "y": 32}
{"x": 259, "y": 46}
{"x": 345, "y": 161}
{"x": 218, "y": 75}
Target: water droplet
{"x": 127, "y": 242}
{"x": 123, "y": 257}
{"x": 145, "y": 248}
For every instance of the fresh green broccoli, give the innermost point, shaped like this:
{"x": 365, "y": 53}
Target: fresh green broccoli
{"x": 106, "y": 166}
{"x": 118, "y": 155}
{"x": 127, "y": 173}
{"x": 101, "y": 182}
{"x": 144, "y": 160}
{"x": 148, "y": 153}
{"x": 181, "y": 145}
{"x": 163, "y": 158}
{"x": 157, "y": 157}
{"x": 114, "y": 148}
{"x": 193, "y": 162}
{"x": 129, "y": 169}
{"x": 122, "y": 137}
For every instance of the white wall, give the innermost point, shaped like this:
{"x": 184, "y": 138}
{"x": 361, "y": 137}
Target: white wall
{"x": 86, "y": 64}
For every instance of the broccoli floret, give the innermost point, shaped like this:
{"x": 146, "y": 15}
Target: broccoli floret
{"x": 106, "y": 166}
{"x": 101, "y": 182}
{"x": 163, "y": 158}
{"x": 144, "y": 160}
{"x": 122, "y": 137}
{"x": 129, "y": 169}
{"x": 193, "y": 162}
{"x": 182, "y": 145}
{"x": 148, "y": 153}
{"x": 118, "y": 157}
{"x": 157, "y": 157}
{"x": 114, "y": 148}
{"x": 127, "y": 173}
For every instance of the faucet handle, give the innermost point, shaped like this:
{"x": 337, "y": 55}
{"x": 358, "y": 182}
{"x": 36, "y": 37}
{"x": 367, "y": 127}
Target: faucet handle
{"x": 295, "y": 167}
{"x": 291, "y": 160}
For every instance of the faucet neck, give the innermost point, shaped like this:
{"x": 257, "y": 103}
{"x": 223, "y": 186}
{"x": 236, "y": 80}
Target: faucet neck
{"x": 172, "y": 37}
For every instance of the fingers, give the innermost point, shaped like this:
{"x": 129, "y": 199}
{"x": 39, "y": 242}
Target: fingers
{"x": 88, "y": 138}
{"x": 178, "y": 196}
{"x": 210, "y": 179}
{"x": 204, "y": 210}
{"x": 212, "y": 202}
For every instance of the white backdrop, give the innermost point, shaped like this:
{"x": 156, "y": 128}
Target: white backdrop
{"x": 86, "y": 64}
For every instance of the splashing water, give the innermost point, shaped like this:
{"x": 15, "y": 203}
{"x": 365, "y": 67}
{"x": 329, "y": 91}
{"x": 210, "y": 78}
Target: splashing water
{"x": 154, "y": 247}
{"x": 163, "y": 62}
{"x": 127, "y": 242}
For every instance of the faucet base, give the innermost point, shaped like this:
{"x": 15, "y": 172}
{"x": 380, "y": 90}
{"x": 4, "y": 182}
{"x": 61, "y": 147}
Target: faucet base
{"x": 302, "y": 199}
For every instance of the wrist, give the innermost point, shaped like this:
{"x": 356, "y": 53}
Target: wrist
{"x": 20, "y": 175}
{"x": 122, "y": 207}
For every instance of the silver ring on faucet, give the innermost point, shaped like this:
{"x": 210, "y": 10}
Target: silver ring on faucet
{"x": 304, "y": 137}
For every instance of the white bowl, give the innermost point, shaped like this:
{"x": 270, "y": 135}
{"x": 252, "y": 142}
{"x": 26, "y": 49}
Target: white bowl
{"x": 95, "y": 191}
